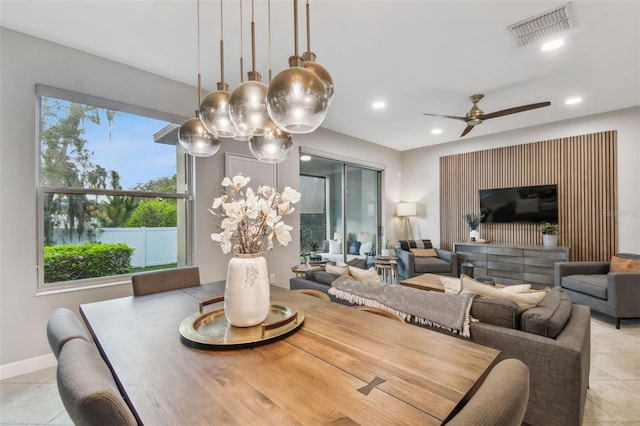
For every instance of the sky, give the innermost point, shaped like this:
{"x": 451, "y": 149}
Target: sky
{"x": 131, "y": 150}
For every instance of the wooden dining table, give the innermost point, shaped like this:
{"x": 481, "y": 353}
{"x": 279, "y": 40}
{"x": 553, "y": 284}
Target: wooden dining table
{"x": 342, "y": 365}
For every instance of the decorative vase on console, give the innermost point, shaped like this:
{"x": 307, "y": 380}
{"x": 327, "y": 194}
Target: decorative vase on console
{"x": 251, "y": 221}
{"x": 473, "y": 220}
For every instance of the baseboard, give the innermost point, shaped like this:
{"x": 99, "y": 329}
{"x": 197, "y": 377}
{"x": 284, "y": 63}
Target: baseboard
{"x": 26, "y": 366}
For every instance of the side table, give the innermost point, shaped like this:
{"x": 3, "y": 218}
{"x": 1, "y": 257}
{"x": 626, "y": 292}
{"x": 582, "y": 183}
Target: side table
{"x": 387, "y": 266}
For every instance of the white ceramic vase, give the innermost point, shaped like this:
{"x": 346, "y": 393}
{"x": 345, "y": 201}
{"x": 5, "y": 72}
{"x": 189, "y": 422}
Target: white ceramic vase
{"x": 549, "y": 240}
{"x": 474, "y": 235}
{"x": 246, "y": 294}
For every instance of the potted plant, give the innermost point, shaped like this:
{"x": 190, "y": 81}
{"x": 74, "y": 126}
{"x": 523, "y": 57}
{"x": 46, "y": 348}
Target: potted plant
{"x": 550, "y": 232}
{"x": 473, "y": 220}
{"x": 314, "y": 246}
{"x": 387, "y": 247}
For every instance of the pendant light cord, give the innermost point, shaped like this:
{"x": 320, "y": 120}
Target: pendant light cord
{"x": 253, "y": 39}
{"x": 269, "y": 34}
{"x": 221, "y": 45}
{"x": 198, "y": 54}
{"x": 295, "y": 27}
{"x": 308, "y": 29}
{"x": 241, "y": 46}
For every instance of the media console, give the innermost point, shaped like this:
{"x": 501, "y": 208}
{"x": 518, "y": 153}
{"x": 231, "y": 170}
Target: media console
{"x": 512, "y": 264}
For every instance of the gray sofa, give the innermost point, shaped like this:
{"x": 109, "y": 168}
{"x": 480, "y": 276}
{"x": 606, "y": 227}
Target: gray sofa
{"x": 616, "y": 294}
{"x": 446, "y": 263}
{"x": 552, "y": 339}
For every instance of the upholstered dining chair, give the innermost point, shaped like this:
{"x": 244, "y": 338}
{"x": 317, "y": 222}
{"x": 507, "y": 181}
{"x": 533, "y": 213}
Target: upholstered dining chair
{"x": 165, "y": 279}
{"x": 314, "y": 293}
{"x": 381, "y": 312}
{"x": 87, "y": 388}
{"x": 501, "y": 400}
{"x": 62, "y": 326}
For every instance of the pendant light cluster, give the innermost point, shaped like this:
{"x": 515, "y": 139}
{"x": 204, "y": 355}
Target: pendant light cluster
{"x": 295, "y": 101}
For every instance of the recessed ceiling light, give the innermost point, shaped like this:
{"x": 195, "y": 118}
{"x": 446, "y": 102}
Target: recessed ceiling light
{"x": 305, "y": 158}
{"x": 378, "y": 105}
{"x": 552, "y": 45}
{"x": 574, "y": 100}
{"x": 436, "y": 131}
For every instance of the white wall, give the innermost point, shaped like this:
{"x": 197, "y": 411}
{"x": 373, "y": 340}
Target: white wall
{"x": 25, "y": 61}
{"x": 421, "y": 169}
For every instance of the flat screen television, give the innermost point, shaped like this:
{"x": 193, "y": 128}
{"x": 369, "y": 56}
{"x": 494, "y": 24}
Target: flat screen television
{"x": 524, "y": 204}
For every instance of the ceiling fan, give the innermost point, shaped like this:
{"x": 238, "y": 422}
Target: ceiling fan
{"x": 475, "y": 115}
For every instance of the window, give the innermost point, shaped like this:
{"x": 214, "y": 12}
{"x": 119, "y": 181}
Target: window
{"x": 114, "y": 190}
{"x": 339, "y": 209}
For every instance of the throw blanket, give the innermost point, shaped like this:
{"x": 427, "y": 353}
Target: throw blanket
{"x": 448, "y": 311}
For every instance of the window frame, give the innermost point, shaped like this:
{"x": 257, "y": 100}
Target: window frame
{"x": 41, "y": 190}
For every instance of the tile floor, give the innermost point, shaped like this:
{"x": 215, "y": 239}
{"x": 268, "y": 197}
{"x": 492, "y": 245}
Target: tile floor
{"x": 613, "y": 398}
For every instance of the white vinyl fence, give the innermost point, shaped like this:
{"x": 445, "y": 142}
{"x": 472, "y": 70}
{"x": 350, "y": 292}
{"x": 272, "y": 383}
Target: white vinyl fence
{"x": 153, "y": 246}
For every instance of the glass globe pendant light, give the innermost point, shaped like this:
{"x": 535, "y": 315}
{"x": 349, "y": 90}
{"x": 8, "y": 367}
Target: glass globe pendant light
{"x": 310, "y": 63}
{"x": 214, "y": 108}
{"x": 247, "y": 106}
{"x": 275, "y": 145}
{"x": 297, "y": 100}
{"x": 193, "y": 136}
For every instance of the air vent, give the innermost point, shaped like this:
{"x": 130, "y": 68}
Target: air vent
{"x": 541, "y": 26}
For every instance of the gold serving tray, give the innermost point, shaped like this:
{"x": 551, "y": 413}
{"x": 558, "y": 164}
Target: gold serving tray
{"x": 211, "y": 330}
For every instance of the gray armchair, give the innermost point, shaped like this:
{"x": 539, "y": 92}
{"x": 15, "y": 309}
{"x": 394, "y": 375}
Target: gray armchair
{"x": 616, "y": 294}
{"x": 409, "y": 265}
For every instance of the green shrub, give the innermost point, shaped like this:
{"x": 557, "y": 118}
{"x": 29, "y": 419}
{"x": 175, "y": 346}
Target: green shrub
{"x": 154, "y": 213}
{"x": 69, "y": 262}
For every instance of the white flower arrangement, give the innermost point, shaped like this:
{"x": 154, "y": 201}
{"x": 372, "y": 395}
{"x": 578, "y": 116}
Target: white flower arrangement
{"x": 252, "y": 219}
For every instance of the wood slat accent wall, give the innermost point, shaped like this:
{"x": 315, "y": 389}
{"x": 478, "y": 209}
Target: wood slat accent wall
{"x": 583, "y": 167}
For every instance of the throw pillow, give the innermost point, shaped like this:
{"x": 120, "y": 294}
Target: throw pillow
{"x": 512, "y": 289}
{"x": 335, "y": 247}
{"x": 354, "y": 247}
{"x": 620, "y": 264}
{"x": 325, "y": 246}
{"x": 339, "y": 270}
{"x": 452, "y": 285}
{"x": 524, "y": 300}
{"x": 365, "y": 248}
{"x": 368, "y": 275}
{"x": 429, "y": 252}
{"x": 363, "y": 237}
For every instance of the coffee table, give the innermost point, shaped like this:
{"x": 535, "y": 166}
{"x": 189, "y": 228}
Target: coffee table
{"x": 430, "y": 282}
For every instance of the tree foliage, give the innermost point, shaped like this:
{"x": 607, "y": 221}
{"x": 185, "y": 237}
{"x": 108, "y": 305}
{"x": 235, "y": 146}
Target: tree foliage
{"x": 154, "y": 213}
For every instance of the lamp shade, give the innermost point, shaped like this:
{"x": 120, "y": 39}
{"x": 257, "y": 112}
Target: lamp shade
{"x": 406, "y": 209}
{"x": 271, "y": 148}
{"x": 214, "y": 113}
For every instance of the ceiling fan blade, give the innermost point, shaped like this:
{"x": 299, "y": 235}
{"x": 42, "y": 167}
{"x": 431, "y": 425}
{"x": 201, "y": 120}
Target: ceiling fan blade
{"x": 515, "y": 110}
{"x": 466, "y": 130}
{"x": 446, "y": 116}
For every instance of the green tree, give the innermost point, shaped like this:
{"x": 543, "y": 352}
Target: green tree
{"x": 66, "y": 162}
{"x": 163, "y": 184}
{"x": 154, "y": 213}
{"x": 117, "y": 211}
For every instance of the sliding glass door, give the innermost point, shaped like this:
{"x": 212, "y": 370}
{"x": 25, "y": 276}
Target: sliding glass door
{"x": 340, "y": 209}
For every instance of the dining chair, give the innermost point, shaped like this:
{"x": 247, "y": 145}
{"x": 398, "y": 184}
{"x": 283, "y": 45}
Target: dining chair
{"x": 87, "y": 388}
{"x": 62, "y": 326}
{"x": 165, "y": 279}
{"x": 501, "y": 399}
{"x": 315, "y": 293}
{"x": 381, "y": 312}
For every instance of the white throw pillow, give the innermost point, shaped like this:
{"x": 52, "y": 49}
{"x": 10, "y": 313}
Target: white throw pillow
{"x": 363, "y": 237}
{"x": 452, "y": 285}
{"x": 366, "y": 248}
{"x": 523, "y": 300}
{"x": 339, "y": 270}
{"x": 335, "y": 246}
{"x": 369, "y": 275}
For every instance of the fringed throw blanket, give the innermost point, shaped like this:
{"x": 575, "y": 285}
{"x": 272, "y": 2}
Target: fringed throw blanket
{"x": 448, "y": 311}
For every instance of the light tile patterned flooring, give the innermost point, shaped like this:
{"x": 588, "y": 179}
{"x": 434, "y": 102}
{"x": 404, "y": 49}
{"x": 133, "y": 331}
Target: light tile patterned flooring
{"x": 613, "y": 398}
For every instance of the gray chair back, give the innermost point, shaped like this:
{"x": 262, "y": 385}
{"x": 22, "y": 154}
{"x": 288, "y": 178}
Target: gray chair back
{"x": 64, "y": 325}
{"x": 166, "y": 279}
{"x": 87, "y": 388}
{"x": 501, "y": 400}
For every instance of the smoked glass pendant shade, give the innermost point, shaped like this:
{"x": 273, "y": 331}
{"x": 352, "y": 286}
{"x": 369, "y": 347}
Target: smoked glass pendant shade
{"x": 322, "y": 73}
{"x": 196, "y": 140}
{"x": 297, "y": 99}
{"x": 247, "y": 107}
{"x": 273, "y": 147}
{"x": 214, "y": 113}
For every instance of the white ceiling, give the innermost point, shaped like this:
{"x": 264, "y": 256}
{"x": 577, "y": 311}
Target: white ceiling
{"x": 417, "y": 56}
